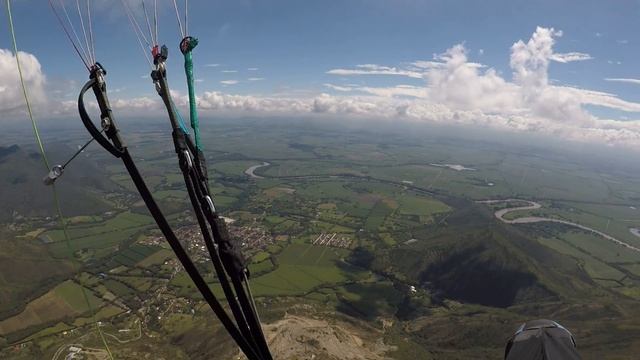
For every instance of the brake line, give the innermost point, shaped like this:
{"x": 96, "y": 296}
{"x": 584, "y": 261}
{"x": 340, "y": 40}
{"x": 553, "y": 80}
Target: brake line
{"x": 56, "y": 198}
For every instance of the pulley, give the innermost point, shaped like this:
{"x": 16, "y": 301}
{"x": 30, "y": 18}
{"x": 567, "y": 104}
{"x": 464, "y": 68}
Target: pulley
{"x": 57, "y": 170}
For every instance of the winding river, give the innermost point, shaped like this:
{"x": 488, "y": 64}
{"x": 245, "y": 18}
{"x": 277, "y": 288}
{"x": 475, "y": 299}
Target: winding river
{"x": 250, "y": 170}
{"x": 535, "y": 219}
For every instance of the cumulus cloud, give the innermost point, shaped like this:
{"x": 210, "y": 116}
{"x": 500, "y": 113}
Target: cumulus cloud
{"x": 530, "y": 61}
{"x": 11, "y": 97}
{"x": 455, "y": 91}
{"x": 465, "y": 86}
{"x": 136, "y": 104}
{"x": 458, "y": 91}
{"x": 214, "y": 100}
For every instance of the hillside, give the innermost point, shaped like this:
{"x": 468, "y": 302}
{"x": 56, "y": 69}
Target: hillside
{"x": 24, "y": 194}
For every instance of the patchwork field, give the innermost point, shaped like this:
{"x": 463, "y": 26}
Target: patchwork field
{"x": 96, "y": 236}
{"x": 302, "y": 268}
{"x": 425, "y": 265}
{"x": 64, "y": 301}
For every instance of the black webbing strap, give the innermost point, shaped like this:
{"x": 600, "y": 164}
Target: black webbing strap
{"x": 229, "y": 248}
{"x": 222, "y": 248}
{"x": 217, "y": 264}
{"x": 114, "y": 145}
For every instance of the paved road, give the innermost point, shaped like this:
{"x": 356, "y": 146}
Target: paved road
{"x": 534, "y": 219}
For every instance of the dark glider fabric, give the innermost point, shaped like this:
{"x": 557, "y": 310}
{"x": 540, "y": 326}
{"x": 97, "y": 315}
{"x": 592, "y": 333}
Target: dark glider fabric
{"x": 541, "y": 340}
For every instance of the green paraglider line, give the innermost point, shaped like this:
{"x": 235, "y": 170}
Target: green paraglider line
{"x": 186, "y": 46}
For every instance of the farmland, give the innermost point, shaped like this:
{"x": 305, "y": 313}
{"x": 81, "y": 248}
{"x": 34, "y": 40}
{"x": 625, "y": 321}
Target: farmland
{"x": 64, "y": 301}
{"x": 96, "y": 236}
{"x": 409, "y": 222}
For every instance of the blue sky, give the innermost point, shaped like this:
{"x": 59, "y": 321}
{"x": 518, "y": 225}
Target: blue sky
{"x": 293, "y": 46}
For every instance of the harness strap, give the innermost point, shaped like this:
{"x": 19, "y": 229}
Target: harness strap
{"x": 119, "y": 150}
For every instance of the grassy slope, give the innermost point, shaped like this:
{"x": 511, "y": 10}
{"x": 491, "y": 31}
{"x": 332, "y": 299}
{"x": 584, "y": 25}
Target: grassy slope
{"x": 22, "y": 190}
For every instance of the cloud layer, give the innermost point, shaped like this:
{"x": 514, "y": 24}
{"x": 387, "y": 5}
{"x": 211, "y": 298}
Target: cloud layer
{"x": 454, "y": 91}
{"x": 457, "y": 91}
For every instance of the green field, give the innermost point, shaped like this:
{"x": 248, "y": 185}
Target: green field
{"x": 232, "y": 168}
{"x": 612, "y": 220}
{"x": 133, "y": 255}
{"x": 377, "y": 216}
{"x": 603, "y": 248}
{"x": 261, "y": 267}
{"x": 301, "y": 268}
{"x": 138, "y": 283}
{"x": 410, "y": 205}
{"x": 594, "y": 267}
{"x": 97, "y": 236}
{"x": 65, "y": 300}
{"x": 157, "y": 258}
{"x": 177, "y": 195}
{"x": 105, "y": 312}
{"x": 79, "y": 300}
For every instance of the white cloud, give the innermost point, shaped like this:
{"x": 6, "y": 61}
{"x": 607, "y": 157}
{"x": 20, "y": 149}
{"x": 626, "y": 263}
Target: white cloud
{"x": 11, "y": 97}
{"x": 622, "y": 42}
{"x": 423, "y": 64}
{"x": 199, "y": 80}
{"x": 217, "y": 101}
{"x": 625, "y": 80}
{"x": 211, "y": 65}
{"x": 252, "y": 69}
{"x": 398, "y": 91}
{"x": 338, "y": 88}
{"x": 462, "y": 85}
{"x": 229, "y": 71}
{"x": 456, "y": 91}
{"x": 572, "y": 56}
{"x": 530, "y": 61}
{"x": 140, "y": 104}
{"x": 372, "y": 69}
{"x": 255, "y": 79}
